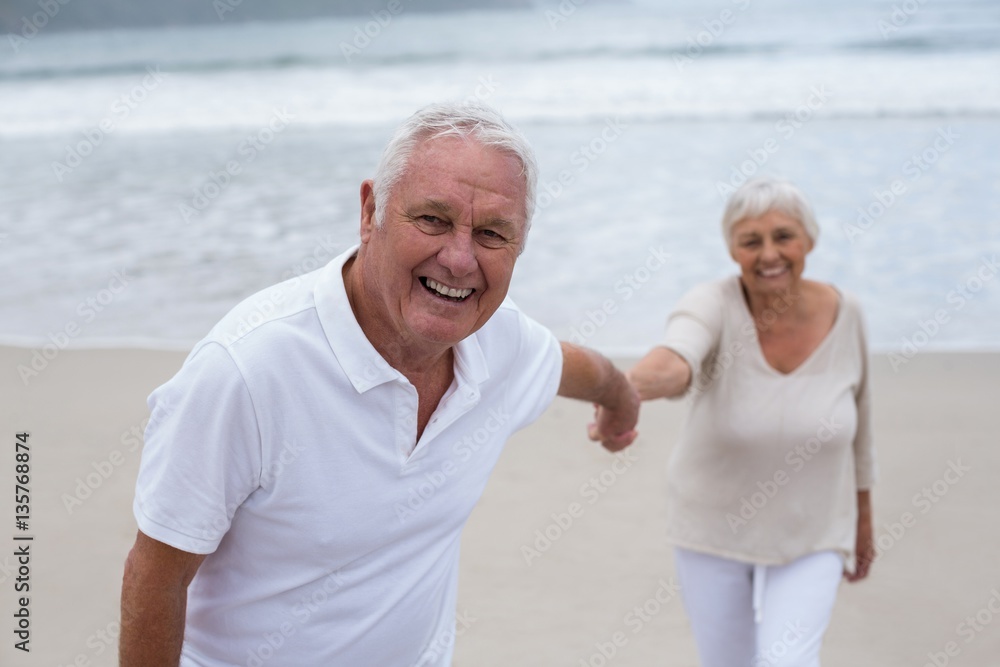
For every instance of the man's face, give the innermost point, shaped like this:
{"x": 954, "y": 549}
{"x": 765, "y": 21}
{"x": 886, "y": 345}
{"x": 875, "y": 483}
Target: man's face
{"x": 442, "y": 262}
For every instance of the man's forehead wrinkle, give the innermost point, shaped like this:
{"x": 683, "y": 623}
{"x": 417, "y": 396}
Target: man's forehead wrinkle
{"x": 438, "y": 205}
{"x": 444, "y": 207}
{"x": 492, "y": 219}
{"x": 471, "y": 192}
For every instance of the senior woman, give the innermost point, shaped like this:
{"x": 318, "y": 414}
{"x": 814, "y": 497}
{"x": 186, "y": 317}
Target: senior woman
{"x": 768, "y": 484}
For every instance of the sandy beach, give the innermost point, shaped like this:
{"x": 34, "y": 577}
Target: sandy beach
{"x": 538, "y": 586}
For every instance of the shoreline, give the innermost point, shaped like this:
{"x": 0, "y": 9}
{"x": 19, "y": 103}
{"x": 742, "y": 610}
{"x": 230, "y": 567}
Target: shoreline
{"x": 616, "y": 352}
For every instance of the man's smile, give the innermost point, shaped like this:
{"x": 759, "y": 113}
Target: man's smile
{"x": 443, "y": 291}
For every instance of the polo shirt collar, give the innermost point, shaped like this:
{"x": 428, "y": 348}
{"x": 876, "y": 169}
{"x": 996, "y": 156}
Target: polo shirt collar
{"x": 362, "y": 363}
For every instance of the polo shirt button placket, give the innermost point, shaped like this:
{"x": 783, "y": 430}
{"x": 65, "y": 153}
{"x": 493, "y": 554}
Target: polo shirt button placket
{"x": 406, "y": 426}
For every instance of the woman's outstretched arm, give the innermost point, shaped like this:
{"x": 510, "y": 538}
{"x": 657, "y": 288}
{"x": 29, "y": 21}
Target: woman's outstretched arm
{"x": 660, "y": 374}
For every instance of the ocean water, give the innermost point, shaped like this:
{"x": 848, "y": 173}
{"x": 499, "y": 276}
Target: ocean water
{"x": 120, "y": 224}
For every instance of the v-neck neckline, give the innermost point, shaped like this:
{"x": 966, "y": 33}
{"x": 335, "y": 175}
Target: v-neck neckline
{"x": 838, "y": 317}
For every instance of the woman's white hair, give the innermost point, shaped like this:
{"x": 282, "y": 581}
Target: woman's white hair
{"x": 474, "y": 120}
{"x": 760, "y": 195}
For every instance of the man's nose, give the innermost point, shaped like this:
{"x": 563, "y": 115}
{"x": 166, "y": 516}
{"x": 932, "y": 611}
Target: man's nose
{"x": 459, "y": 253}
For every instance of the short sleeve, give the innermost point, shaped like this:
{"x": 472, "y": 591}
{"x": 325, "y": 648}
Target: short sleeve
{"x": 533, "y": 388}
{"x": 865, "y": 466}
{"x": 694, "y": 328}
{"x": 202, "y": 453}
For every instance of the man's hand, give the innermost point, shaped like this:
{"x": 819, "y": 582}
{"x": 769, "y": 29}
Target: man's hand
{"x": 590, "y": 376}
{"x": 606, "y": 425}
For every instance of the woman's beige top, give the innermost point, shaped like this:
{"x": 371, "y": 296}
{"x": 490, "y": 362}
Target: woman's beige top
{"x": 768, "y": 465}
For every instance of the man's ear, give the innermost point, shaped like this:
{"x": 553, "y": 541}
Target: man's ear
{"x": 367, "y": 210}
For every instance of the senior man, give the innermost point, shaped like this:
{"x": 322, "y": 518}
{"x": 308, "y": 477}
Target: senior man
{"x": 275, "y": 498}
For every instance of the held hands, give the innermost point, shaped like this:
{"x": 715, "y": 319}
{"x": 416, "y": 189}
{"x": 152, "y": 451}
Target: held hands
{"x": 615, "y": 420}
{"x": 589, "y": 376}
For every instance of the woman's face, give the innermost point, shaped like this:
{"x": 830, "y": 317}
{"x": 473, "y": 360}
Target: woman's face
{"x": 771, "y": 251}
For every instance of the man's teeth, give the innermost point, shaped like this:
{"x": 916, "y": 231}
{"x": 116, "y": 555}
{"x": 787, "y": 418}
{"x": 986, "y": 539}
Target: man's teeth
{"x": 444, "y": 290}
{"x": 770, "y": 273}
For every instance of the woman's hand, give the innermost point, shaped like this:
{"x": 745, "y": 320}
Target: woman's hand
{"x": 865, "y": 548}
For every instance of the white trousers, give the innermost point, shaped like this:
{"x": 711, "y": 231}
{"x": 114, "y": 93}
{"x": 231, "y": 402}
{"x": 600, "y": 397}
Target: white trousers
{"x": 746, "y": 615}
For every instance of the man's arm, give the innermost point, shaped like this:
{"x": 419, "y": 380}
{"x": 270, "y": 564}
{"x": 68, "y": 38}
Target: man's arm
{"x": 589, "y": 376}
{"x": 154, "y": 601}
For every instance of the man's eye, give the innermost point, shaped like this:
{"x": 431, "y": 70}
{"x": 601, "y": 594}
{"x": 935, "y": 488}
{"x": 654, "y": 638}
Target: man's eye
{"x": 430, "y": 224}
{"x": 491, "y": 239}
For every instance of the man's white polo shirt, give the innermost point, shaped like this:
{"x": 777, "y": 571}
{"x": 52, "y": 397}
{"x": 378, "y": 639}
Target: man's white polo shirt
{"x": 286, "y": 448}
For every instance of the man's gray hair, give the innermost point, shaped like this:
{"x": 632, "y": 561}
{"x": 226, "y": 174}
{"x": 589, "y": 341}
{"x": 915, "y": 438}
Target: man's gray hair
{"x": 760, "y": 195}
{"x": 480, "y": 122}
